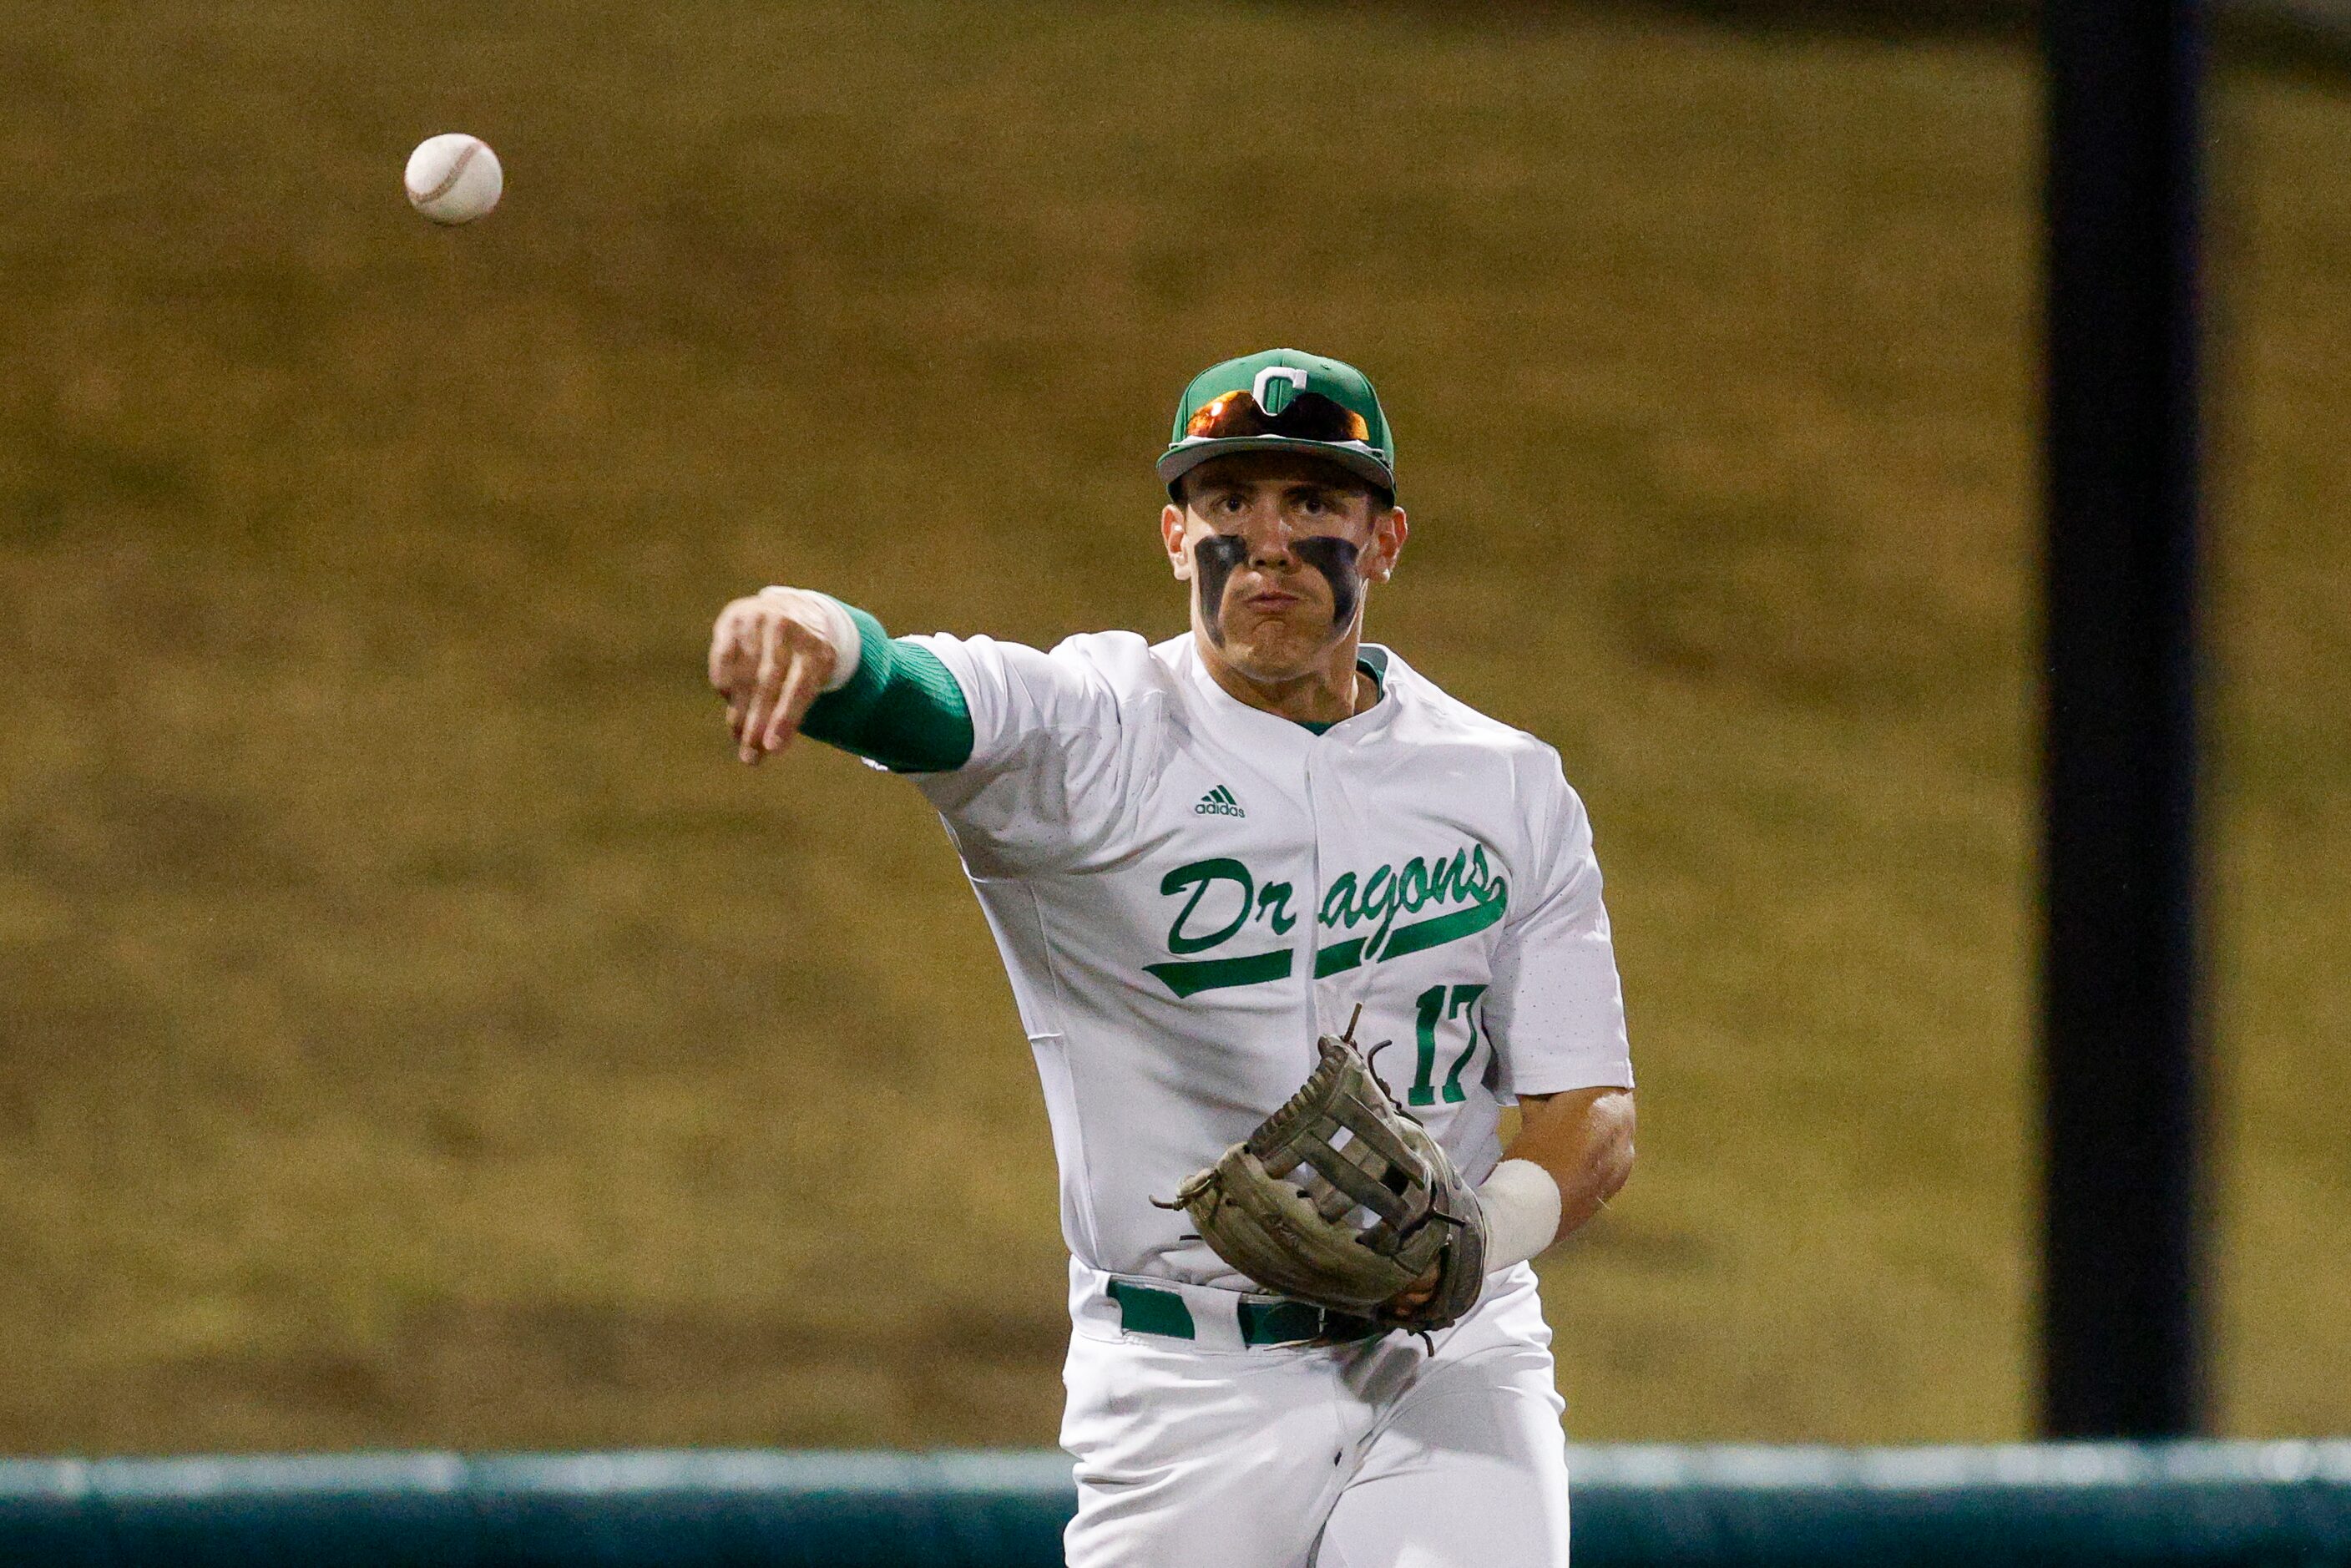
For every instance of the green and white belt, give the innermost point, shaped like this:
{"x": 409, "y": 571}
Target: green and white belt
{"x": 1261, "y": 1321}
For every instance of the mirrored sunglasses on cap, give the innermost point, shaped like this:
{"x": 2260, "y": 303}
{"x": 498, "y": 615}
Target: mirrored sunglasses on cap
{"x": 1308, "y": 417}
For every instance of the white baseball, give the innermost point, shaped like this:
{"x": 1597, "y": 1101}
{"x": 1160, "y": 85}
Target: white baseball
{"x": 453, "y": 178}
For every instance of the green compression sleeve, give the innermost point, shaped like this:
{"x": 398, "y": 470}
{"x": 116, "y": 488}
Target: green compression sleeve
{"x": 902, "y": 709}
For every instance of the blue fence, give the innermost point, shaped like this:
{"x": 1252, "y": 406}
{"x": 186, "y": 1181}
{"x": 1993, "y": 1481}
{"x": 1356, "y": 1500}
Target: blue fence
{"x": 2251, "y": 1505}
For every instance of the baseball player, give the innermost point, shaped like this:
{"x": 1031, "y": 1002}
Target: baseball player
{"x": 1204, "y": 860}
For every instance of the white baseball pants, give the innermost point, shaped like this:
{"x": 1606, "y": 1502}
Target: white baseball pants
{"x": 1374, "y": 1455}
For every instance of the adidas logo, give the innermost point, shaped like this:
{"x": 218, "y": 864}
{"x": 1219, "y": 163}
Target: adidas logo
{"x": 1218, "y": 802}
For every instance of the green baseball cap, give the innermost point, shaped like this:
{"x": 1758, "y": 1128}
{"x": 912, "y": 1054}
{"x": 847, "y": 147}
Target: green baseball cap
{"x": 1283, "y": 400}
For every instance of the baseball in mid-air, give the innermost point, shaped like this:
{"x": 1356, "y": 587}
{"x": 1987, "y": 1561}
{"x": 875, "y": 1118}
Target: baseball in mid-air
{"x": 453, "y": 178}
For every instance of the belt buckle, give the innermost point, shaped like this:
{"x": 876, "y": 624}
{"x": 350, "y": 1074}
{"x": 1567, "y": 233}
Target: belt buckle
{"x": 1286, "y": 1321}
{"x": 1279, "y": 1321}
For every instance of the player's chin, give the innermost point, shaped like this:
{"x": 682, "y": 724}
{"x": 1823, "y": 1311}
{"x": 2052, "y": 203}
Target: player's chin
{"x": 1299, "y": 630}
{"x": 1275, "y": 654}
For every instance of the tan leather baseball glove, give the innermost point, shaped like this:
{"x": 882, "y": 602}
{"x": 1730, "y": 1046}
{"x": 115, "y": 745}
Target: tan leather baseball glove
{"x": 1343, "y": 1200}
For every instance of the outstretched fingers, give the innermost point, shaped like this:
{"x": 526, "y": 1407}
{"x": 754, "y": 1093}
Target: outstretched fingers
{"x": 767, "y": 685}
{"x": 800, "y": 684}
{"x": 769, "y": 664}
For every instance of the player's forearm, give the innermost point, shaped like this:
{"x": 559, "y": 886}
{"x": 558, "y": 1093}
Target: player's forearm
{"x": 1573, "y": 1154}
{"x": 900, "y": 706}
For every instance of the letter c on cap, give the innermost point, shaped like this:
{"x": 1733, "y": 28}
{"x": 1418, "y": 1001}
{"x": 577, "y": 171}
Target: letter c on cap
{"x": 1265, "y": 380}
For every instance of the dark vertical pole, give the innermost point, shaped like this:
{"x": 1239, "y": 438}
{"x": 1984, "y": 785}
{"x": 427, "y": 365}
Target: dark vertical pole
{"x": 2122, "y": 1028}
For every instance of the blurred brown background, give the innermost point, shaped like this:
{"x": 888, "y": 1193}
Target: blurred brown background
{"x": 415, "y": 1028}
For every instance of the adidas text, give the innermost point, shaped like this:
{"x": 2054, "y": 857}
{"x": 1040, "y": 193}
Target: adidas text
{"x": 1218, "y": 802}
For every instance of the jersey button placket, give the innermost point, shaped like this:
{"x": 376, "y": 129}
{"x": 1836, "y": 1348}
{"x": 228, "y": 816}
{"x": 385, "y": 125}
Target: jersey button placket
{"x": 1328, "y": 815}
{"x": 1311, "y": 950}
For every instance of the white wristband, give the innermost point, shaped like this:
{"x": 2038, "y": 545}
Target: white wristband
{"x": 1522, "y": 1208}
{"x": 848, "y": 649}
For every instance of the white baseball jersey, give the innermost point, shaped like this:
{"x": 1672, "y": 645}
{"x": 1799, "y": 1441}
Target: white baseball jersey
{"x": 1187, "y": 891}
